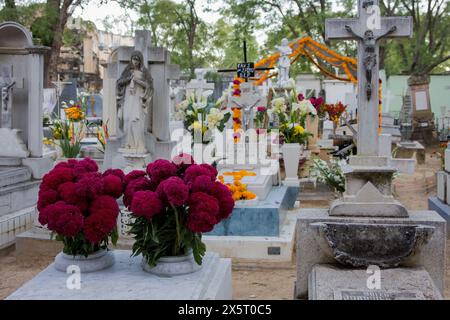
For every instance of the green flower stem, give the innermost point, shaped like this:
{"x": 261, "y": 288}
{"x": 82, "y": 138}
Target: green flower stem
{"x": 177, "y": 239}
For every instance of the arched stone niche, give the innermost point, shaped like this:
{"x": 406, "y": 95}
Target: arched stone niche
{"x": 14, "y": 35}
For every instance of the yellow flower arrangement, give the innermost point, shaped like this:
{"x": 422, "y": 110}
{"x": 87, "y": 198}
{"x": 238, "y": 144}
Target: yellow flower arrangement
{"x": 298, "y": 129}
{"x": 197, "y": 126}
{"x": 57, "y": 133}
{"x": 74, "y": 113}
{"x": 48, "y": 142}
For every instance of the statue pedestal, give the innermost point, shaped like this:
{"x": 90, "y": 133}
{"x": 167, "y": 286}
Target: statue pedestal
{"x": 134, "y": 160}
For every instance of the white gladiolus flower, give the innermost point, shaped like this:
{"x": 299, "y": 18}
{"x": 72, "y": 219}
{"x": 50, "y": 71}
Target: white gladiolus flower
{"x": 279, "y": 105}
{"x": 295, "y": 106}
{"x": 305, "y": 106}
{"x": 199, "y": 105}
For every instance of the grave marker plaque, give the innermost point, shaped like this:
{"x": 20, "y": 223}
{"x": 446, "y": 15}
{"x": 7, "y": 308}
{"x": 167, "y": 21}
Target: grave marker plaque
{"x": 348, "y": 294}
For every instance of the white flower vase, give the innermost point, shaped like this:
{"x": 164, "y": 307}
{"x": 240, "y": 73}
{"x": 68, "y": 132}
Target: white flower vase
{"x": 291, "y": 156}
{"x": 96, "y": 261}
{"x": 173, "y": 266}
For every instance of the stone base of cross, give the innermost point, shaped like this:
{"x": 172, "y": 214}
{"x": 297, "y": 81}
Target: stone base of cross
{"x": 368, "y": 176}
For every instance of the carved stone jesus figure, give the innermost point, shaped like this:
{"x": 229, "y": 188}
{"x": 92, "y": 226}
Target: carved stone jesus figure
{"x": 134, "y": 96}
{"x": 370, "y": 57}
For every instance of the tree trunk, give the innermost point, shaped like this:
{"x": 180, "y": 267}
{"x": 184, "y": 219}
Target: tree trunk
{"x": 58, "y": 30}
{"x": 191, "y": 54}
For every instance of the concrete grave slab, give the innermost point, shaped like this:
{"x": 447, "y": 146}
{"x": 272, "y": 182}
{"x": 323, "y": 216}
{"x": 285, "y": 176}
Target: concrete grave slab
{"x": 126, "y": 280}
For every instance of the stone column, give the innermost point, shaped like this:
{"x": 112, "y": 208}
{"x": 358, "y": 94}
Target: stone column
{"x": 35, "y": 100}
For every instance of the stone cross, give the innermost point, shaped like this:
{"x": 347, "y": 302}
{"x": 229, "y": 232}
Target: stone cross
{"x": 250, "y": 98}
{"x": 157, "y": 59}
{"x": 367, "y": 29}
{"x": 197, "y": 86}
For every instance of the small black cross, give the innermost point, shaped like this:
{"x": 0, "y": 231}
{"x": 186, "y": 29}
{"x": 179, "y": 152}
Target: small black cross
{"x": 245, "y": 69}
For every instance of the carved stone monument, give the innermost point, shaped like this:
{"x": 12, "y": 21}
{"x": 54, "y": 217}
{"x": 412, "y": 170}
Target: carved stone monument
{"x": 417, "y": 105}
{"x": 367, "y": 227}
{"x": 148, "y": 137}
{"x": 22, "y": 160}
{"x": 284, "y": 63}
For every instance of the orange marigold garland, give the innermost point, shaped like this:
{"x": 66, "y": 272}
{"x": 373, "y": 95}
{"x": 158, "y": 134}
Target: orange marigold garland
{"x": 237, "y": 124}
{"x": 238, "y": 189}
{"x": 237, "y": 86}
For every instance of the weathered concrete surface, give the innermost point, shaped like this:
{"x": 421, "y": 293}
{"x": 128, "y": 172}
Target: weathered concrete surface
{"x": 366, "y": 244}
{"x": 126, "y": 280}
{"x": 328, "y": 282}
{"x": 310, "y": 252}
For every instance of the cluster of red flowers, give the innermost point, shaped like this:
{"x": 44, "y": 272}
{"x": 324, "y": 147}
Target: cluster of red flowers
{"x": 335, "y": 111}
{"x": 74, "y": 197}
{"x": 180, "y": 184}
{"x": 237, "y": 87}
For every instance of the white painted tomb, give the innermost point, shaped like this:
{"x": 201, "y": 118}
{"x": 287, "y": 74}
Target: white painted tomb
{"x": 126, "y": 280}
{"x": 22, "y": 159}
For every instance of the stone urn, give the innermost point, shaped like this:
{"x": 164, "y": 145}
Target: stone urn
{"x": 291, "y": 156}
{"x": 96, "y": 261}
{"x": 173, "y": 266}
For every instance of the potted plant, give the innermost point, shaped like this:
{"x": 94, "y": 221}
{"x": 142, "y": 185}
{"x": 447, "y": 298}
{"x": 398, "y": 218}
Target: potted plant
{"x": 293, "y": 135}
{"x": 172, "y": 203}
{"x": 201, "y": 119}
{"x": 69, "y": 132}
{"x": 78, "y": 204}
{"x": 335, "y": 112}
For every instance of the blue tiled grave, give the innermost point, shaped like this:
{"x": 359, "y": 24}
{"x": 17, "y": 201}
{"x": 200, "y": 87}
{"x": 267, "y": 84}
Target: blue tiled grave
{"x": 263, "y": 218}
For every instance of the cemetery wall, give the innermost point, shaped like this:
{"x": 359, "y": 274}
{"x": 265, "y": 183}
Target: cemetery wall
{"x": 439, "y": 92}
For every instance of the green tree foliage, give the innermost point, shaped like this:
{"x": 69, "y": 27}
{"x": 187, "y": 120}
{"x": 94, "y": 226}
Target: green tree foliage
{"x": 177, "y": 26}
{"x": 9, "y": 11}
{"x": 429, "y": 49}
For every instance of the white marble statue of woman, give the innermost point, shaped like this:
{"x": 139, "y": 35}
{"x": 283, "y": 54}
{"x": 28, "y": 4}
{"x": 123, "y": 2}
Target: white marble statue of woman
{"x": 134, "y": 95}
{"x": 284, "y": 63}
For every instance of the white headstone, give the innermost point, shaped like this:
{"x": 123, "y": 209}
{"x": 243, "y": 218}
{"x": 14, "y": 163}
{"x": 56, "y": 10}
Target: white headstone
{"x": 24, "y": 64}
{"x": 442, "y": 185}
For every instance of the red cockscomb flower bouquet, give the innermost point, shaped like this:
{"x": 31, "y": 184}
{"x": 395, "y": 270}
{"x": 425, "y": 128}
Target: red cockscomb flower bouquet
{"x": 79, "y": 204}
{"x": 172, "y": 204}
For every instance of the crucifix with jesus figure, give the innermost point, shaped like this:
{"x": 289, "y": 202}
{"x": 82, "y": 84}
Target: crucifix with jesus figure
{"x": 368, "y": 29}
{"x": 250, "y": 96}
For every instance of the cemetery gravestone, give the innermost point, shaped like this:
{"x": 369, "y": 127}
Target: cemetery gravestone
{"x": 441, "y": 203}
{"x": 157, "y": 135}
{"x": 196, "y": 87}
{"x": 344, "y": 236}
{"x": 22, "y": 161}
{"x": 422, "y": 116}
